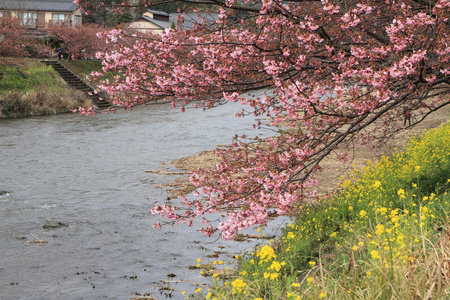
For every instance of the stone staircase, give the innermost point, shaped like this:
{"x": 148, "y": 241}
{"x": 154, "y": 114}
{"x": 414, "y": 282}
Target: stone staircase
{"x": 77, "y": 83}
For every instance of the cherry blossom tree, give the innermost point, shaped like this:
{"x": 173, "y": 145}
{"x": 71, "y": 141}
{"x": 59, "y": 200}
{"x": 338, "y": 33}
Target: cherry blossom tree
{"x": 12, "y": 37}
{"x": 79, "y": 40}
{"x": 336, "y": 73}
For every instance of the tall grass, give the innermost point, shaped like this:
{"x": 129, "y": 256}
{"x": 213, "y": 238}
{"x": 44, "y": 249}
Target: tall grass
{"x": 383, "y": 236}
{"x": 41, "y": 102}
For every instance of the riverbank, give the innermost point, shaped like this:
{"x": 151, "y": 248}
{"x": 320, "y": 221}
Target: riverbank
{"x": 385, "y": 235}
{"x": 333, "y": 169}
{"x": 29, "y": 87}
{"x": 302, "y": 256}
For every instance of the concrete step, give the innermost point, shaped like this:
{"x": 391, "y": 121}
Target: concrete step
{"x": 77, "y": 83}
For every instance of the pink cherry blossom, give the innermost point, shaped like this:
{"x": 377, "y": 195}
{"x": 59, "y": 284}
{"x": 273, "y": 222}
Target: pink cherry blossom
{"x": 334, "y": 77}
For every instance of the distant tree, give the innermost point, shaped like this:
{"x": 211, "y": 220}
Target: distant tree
{"x": 79, "y": 41}
{"x": 108, "y": 13}
{"x": 12, "y": 37}
{"x": 113, "y": 18}
{"x": 335, "y": 74}
{"x": 173, "y": 6}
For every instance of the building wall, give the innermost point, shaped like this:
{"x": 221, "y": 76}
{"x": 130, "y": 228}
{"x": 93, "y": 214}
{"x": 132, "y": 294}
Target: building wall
{"x": 40, "y": 19}
{"x": 146, "y": 27}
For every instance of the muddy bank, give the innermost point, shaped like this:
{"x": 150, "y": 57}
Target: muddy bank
{"x": 333, "y": 170}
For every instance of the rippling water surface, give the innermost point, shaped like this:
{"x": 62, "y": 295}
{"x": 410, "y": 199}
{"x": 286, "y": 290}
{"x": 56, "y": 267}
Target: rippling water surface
{"x": 89, "y": 174}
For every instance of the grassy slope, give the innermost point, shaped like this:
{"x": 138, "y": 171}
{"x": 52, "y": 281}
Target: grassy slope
{"x": 384, "y": 236}
{"x": 84, "y": 68}
{"x": 28, "y": 87}
{"x": 27, "y": 74}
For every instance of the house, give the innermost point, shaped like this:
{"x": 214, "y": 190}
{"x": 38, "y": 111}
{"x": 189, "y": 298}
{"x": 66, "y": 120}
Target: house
{"x": 40, "y": 14}
{"x": 156, "y": 22}
{"x": 152, "y": 21}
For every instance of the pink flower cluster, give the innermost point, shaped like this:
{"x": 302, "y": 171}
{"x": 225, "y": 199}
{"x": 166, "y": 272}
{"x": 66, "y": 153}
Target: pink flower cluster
{"x": 335, "y": 77}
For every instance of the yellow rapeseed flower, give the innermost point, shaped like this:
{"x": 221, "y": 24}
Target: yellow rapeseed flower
{"x": 275, "y": 266}
{"x": 380, "y": 229}
{"x": 382, "y": 210}
{"x": 377, "y": 184}
{"x": 375, "y": 254}
{"x": 266, "y": 253}
{"x": 238, "y": 285}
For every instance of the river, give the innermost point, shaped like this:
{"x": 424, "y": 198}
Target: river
{"x": 89, "y": 174}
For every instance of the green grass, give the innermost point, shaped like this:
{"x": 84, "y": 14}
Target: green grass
{"x": 84, "y": 68}
{"x": 27, "y": 75}
{"x": 385, "y": 235}
{"x": 29, "y": 87}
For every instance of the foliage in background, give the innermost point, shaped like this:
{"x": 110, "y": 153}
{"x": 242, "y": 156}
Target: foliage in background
{"x": 12, "y": 37}
{"x": 16, "y": 41}
{"x": 385, "y": 235}
{"x": 79, "y": 41}
{"x": 106, "y": 13}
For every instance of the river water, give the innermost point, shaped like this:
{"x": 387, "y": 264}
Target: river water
{"x": 89, "y": 174}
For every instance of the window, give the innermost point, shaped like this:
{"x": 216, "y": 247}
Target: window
{"x": 77, "y": 20}
{"x": 28, "y": 18}
{"x": 58, "y": 18}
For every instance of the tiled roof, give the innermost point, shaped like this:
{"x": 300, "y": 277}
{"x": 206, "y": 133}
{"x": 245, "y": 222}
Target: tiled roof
{"x": 162, "y": 24}
{"x": 40, "y": 5}
{"x": 158, "y": 12}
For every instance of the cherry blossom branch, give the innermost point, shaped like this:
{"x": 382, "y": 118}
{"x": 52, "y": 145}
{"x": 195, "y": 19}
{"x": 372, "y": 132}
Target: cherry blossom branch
{"x": 334, "y": 76}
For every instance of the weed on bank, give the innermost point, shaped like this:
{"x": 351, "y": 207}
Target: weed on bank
{"x": 29, "y": 87}
{"x": 384, "y": 236}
